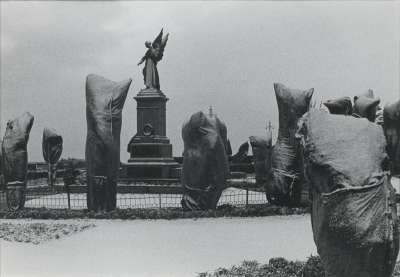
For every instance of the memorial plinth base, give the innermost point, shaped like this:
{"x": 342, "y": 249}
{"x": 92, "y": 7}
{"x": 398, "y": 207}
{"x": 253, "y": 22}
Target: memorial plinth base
{"x": 148, "y": 168}
{"x": 151, "y": 158}
{"x": 150, "y": 149}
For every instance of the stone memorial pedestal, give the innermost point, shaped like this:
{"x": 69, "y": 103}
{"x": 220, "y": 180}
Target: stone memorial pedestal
{"x": 150, "y": 149}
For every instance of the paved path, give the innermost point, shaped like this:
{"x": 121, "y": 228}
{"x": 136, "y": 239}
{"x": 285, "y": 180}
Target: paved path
{"x": 159, "y": 248}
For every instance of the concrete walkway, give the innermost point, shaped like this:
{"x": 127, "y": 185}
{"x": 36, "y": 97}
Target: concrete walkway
{"x": 158, "y": 248}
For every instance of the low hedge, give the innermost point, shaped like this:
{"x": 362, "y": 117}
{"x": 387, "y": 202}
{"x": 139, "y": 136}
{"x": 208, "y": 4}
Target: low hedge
{"x": 277, "y": 267}
{"x": 166, "y": 213}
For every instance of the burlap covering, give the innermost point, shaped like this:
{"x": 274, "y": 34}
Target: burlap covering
{"x": 205, "y": 162}
{"x": 354, "y": 217}
{"x": 104, "y": 103}
{"x": 2, "y": 185}
{"x": 52, "y": 145}
{"x": 262, "y": 148}
{"x": 340, "y": 105}
{"x": 366, "y": 106}
{"x": 287, "y": 169}
{"x": 15, "y": 159}
{"x": 391, "y": 127}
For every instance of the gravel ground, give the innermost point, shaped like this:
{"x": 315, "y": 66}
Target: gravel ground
{"x": 37, "y": 232}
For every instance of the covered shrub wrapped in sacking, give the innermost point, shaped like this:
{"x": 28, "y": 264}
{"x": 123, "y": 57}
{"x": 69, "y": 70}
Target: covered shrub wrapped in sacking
{"x": 15, "y": 159}
{"x": 1, "y": 167}
{"x": 104, "y": 102}
{"x": 367, "y": 106}
{"x": 262, "y": 148}
{"x": 354, "y": 218}
{"x": 287, "y": 170}
{"x": 52, "y": 146}
{"x": 340, "y": 105}
{"x": 205, "y": 161}
{"x": 391, "y": 126}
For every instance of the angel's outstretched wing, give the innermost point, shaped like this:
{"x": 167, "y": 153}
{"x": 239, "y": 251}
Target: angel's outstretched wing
{"x": 158, "y": 39}
{"x": 164, "y": 40}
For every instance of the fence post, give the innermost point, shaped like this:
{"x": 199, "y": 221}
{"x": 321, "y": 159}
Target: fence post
{"x": 66, "y": 184}
{"x": 247, "y": 197}
{"x": 159, "y": 200}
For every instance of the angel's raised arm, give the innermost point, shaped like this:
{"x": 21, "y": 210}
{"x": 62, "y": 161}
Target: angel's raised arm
{"x": 142, "y": 60}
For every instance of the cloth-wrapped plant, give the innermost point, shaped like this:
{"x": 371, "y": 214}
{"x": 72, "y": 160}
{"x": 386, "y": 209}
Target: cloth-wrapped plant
{"x": 340, "y": 105}
{"x": 391, "y": 126}
{"x": 104, "y": 102}
{"x": 205, "y": 161}
{"x": 287, "y": 170}
{"x": 354, "y": 216}
{"x": 367, "y": 106}
{"x": 15, "y": 159}
{"x": 262, "y": 148}
{"x": 52, "y": 146}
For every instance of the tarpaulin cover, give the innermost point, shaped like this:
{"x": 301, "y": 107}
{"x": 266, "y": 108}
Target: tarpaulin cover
{"x": 205, "y": 162}
{"x": 391, "y": 126}
{"x": 354, "y": 217}
{"x": 15, "y": 156}
{"x": 262, "y": 147}
{"x": 104, "y": 102}
{"x": 52, "y": 145}
{"x": 287, "y": 169}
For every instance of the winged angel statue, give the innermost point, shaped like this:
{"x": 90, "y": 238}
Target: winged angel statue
{"x": 153, "y": 55}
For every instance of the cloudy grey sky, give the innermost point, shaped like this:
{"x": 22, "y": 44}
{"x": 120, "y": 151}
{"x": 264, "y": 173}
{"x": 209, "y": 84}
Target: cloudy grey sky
{"x": 224, "y": 54}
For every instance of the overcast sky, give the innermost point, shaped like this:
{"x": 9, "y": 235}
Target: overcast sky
{"x": 224, "y": 54}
